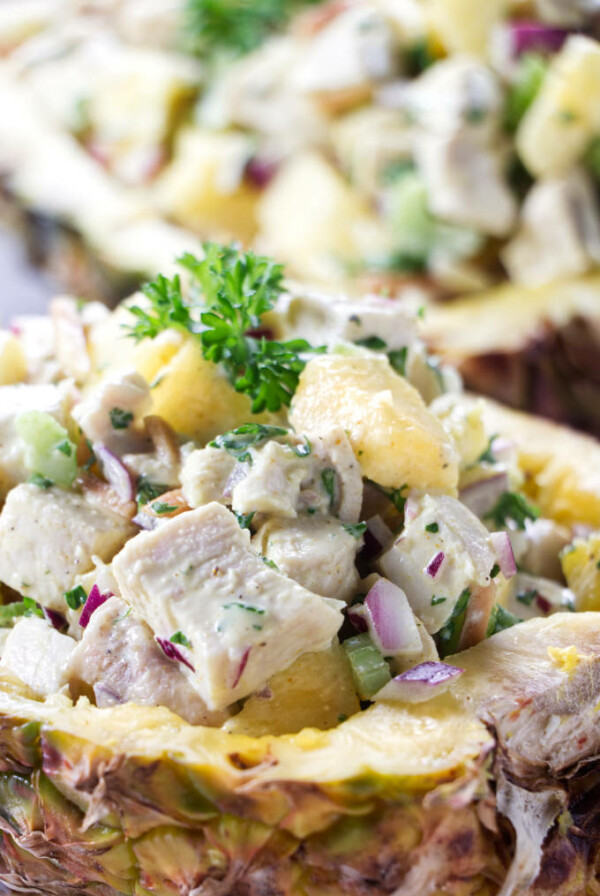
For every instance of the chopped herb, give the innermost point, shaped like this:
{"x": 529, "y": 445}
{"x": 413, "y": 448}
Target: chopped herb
{"x": 421, "y": 311}
{"x": 119, "y": 418}
{"x": 418, "y": 57}
{"x": 494, "y": 571}
{"x": 373, "y": 342}
{"x": 66, "y": 447}
{"x": 302, "y": 450}
{"x": 10, "y": 612}
{"x": 432, "y": 527}
{"x": 329, "y": 479}
{"x": 92, "y": 456}
{"x": 32, "y": 608}
{"x": 40, "y": 481}
{"x": 438, "y": 600}
{"x": 500, "y": 619}
{"x": 449, "y": 635}
{"x": 124, "y": 616}
{"x": 244, "y": 519}
{"x": 512, "y": 506}
{"x": 311, "y": 510}
{"x": 270, "y": 563}
{"x": 527, "y": 83}
{"x": 240, "y": 440}
{"x": 397, "y": 358}
{"x": 257, "y": 628}
{"x": 567, "y": 116}
{"x": 147, "y": 491}
{"x": 76, "y": 597}
{"x": 180, "y": 638}
{"x": 355, "y": 319}
{"x": 355, "y": 529}
{"x": 487, "y": 456}
{"x": 160, "y": 507}
{"x": 527, "y": 597}
{"x": 395, "y": 495}
{"x": 240, "y": 605}
{"x": 232, "y": 291}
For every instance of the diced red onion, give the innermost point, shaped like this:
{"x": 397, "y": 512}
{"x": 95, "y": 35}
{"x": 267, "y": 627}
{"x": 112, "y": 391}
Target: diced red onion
{"x": 504, "y": 553}
{"x": 528, "y": 37}
{"x": 95, "y": 600}
{"x": 390, "y": 619}
{"x": 173, "y": 652}
{"x": 481, "y": 496}
{"x": 420, "y": 683}
{"x": 435, "y": 564}
{"x": 56, "y": 620}
{"x": 115, "y": 473}
{"x": 358, "y": 617}
{"x": 260, "y": 172}
{"x": 241, "y": 667}
{"x": 543, "y": 603}
{"x": 145, "y": 521}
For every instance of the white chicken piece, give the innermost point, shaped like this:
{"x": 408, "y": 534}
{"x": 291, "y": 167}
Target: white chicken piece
{"x": 443, "y": 550}
{"x": 353, "y": 51}
{"x": 206, "y": 474}
{"x": 537, "y": 547}
{"x": 38, "y": 655}
{"x": 49, "y": 536}
{"x": 244, "y": 621}
{"x": 120, "y": 659}
{"x": 112, "y": 414}
{"x": 527, "y": 596}
{"x": 559, "y": 234}
{"x": 566, "y": 13}
{"x": 318, "y": 553}
{"x": 14, "y": 401}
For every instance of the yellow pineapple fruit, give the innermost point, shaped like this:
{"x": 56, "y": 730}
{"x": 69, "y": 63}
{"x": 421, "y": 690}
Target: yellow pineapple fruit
{"x": 581, "y": 567}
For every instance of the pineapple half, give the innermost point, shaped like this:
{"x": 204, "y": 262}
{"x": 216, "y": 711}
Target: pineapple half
{"x": 488, "y": 789}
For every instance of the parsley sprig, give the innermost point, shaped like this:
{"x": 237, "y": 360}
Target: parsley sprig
{"x": 231, "y": 291}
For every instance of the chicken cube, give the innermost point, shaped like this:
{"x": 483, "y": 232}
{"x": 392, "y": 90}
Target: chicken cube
{"x": 49, "y": 536}
{"x": 38, "y": 655}
{"x": 112, "y": 412}
{"x": 243, "y": 621}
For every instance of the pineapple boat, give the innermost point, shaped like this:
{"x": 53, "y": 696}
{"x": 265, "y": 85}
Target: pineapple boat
{"x": 284, "y": 611}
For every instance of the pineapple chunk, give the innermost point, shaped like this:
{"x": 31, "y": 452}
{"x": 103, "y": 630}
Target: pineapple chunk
{"x": 396, "y": 439}
{"x": 317, "y": 691}
{"x": 580, "y": 565}
{"x": 196, "y": 398}
{"x": 13, "y": 364}
{"x": 464, "y": 26}
{"x": 203, "y": 188}
{"x": 565, "y": 117}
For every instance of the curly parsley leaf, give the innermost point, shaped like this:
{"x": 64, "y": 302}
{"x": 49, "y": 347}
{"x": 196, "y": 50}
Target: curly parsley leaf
{"x": 512, "y": 506}
{"x": 238, "y": 441}
{"x": 231, "y": 291}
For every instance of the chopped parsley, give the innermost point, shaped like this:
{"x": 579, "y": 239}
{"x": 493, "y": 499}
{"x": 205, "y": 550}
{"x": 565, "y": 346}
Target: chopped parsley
{"x": 329, "y": 478}
{"x": 66, "y": 447}
{"x": 302, "y": 450}
{"x": 180, "y": 638}
{"x": 500, "y": 619}
{"x": 395, "y": 495}
{"x": 161, "y": 507}
{"x": 355, "y": 529}
{"x": 244, "y": 519}
{"x": 270, "y": 563}
{"x": 435, "y": 601}
{"x": 41, "y": 481}
{"x": 231, "y": 291}
{"x": 10, "y": 612}
{"x": 239, "y": 441}
{"x": 487, "y": 456}
{"x": 76, "y": 597}
{"x": 494, "y": 571}
{"x": 397, "y": 358}
{"x": 512, "y": 506}
{"x": 373, "y": 342}
{"x": 119, "y": 418}
{"x": 240, "y": 605}
{"x": 432, "y": 527}
{"x": 147, "y": 491}
{"x": 527, "y": 597}
{"x": 449, "y": 635}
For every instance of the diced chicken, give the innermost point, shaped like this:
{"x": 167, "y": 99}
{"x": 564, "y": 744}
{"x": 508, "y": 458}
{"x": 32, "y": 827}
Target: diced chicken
{"x": 38, "y": 655}
{"x": 465, "y": 182}
{"x": 205, "y": 476}
{"x": 49, "y": 536}
{"x": 326, "y": 320}
{"x": 120, "y": 659}
{"x": 16, "y": 400}
{"x": 351, "y": 53}
{"x": 274, "y": 483}
{"x": 318, "y": 553}
{"x": 196, "y": 574}
{"x": 113, "y": 412}
{"x": 13, "y": 364}
{"x": 527, "y": 596}
{"x": 538, "y": 546}
{"x": 443, "y": 550}
{"x": 559, "y": 234}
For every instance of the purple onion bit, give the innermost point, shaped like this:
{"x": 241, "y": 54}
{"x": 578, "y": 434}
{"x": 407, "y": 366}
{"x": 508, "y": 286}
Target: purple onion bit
{"x": 241, "y": 667}
{"x": 56, "y": 620}
{"x": 531, "y": 37}
{"x": 171, "y": 651}
{"x": 95, "y": 600}
{"x": 115, "y": 472}
{"x": 420, "y": 683}
{"x": 434, "y": 565}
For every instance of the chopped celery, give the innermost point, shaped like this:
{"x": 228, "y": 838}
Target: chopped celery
{"x": 370, "y": 670}
{"x": 526, "y": 86}
{"x": 49, "y": 452}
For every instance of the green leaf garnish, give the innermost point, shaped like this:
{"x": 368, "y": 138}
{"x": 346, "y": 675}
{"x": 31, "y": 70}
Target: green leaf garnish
{"x": 238, "y": 441}
{"x": 232, "y": 290}
{"x": 119, "y": 418}
{"x": 357, "y": 530}
{"x": 494, "y": 571}
{"x": 180, "y": 638}
{"x": 76, "y": 597}
{"x": 147, "y": 491}
{"x": 160, "y": 507}
{"x": 397, "y": 358}
{"x": 329, "y": 479}
{"x": 432, "y": 527}
{"x": 512, "y": 506}
{"x": 373, "y": 342}
{"x": 40, "y": 481}
{"x": 244, "y": 519}
{"x": 449, "y": 635}
{"x": 500, "y": 619}
{"x": 435, "y": 601}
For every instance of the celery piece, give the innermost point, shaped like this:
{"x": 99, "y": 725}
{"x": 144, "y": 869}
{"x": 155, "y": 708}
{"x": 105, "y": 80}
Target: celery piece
{"x": 370, "y": 670}
{"x": 48, "y": 450}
